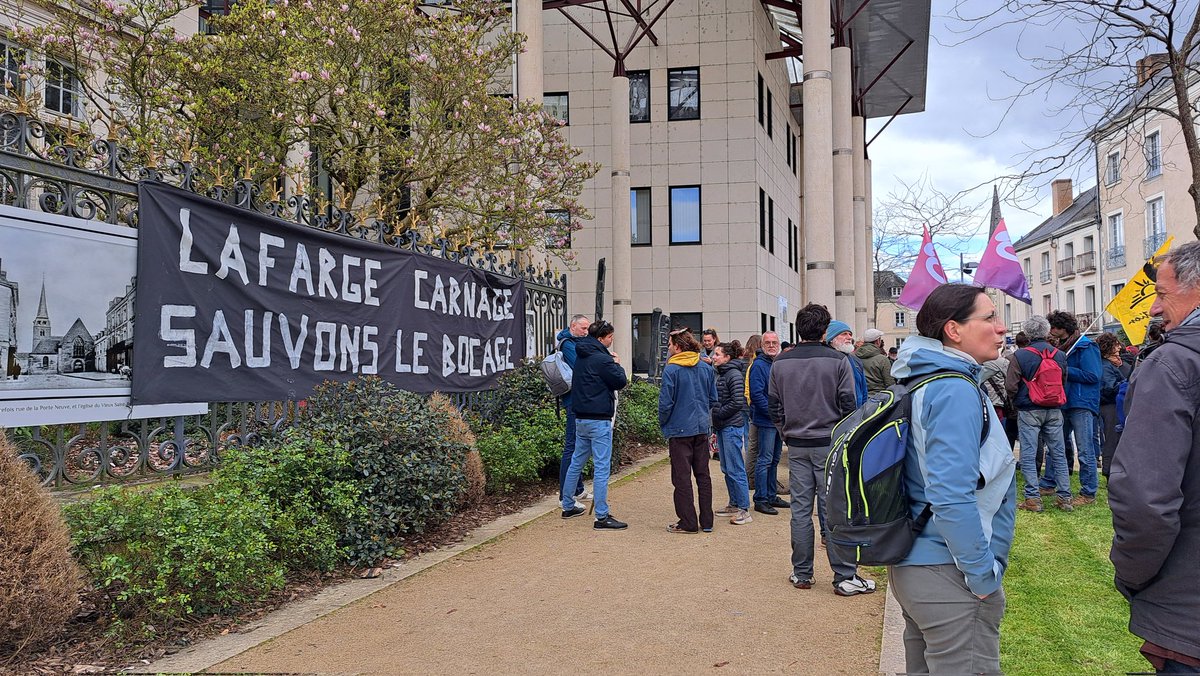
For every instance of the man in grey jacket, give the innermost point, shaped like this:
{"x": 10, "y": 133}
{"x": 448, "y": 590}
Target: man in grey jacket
{"x": 810, "y": 389}
{"x": 1154, "y": 489}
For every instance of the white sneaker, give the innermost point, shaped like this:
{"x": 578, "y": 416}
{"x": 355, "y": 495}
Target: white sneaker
{"x": 853, "y": 586}
{"x": 741, "y": 518}
{"x": 580, "y": 505}
{"x": 583, "y": 495}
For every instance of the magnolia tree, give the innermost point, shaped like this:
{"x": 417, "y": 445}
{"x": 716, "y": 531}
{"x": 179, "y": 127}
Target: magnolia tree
{"x": 404, "y": 106}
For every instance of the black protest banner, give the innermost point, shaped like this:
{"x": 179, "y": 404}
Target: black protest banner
{"x": 237, "y": 306}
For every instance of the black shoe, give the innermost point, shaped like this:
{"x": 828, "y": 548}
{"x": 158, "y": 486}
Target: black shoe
{"x": 609, "y": 523}
{"x": 572, "y": 512}
{"x": 765, "y": 508}
{"x": 781, "y": 504}
{"x": 717, "y": 456}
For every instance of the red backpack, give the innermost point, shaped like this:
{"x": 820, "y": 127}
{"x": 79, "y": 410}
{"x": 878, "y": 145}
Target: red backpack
{"x": 1046, "y": 386}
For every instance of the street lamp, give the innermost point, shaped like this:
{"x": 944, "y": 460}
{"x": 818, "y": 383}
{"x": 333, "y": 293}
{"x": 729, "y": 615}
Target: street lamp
{"x": 967, "y": 268}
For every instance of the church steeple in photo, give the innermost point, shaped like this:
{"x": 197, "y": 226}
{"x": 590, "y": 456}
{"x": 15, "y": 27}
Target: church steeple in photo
{"x": 41, "y": 323}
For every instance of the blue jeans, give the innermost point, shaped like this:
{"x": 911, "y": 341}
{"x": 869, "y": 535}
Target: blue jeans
{"x": 733, "y": 465}
{"x": 766, "y": 467}
{"x": 1034, "y": 428}
{"x": 1083, "y": 426}
{"x": 593, "y": 439}
{"x": 565, "y": 463}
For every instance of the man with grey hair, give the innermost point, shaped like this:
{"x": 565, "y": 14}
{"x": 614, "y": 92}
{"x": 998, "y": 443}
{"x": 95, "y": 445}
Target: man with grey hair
{"x": 1154, "y": 487}
{"x": 577, "y": 328}
{"x": 1039, "y": 423}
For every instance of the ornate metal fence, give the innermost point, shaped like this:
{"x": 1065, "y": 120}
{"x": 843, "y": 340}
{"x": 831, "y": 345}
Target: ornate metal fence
{"x": 98, "y": 181}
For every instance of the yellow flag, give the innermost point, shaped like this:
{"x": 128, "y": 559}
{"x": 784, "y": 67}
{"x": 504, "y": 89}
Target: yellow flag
{"x": 1131, "y": 307}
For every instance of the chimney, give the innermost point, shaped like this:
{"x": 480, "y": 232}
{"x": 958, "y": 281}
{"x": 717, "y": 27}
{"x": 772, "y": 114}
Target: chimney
{"x": 1148, "y": 65}
{"x": 1060, "y": 188}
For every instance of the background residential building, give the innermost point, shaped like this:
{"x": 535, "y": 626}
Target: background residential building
{"x": 896, "y": 321}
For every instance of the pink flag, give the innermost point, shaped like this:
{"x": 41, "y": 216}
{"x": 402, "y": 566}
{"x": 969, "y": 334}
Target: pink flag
{"x": 926, "y": 275}
{"x": 1000, "y": 269}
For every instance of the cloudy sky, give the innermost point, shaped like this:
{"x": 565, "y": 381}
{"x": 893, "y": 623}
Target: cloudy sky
{"x": 968, "y": 133}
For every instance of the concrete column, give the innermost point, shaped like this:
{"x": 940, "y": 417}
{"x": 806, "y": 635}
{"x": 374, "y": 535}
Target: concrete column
{"x": 869, "y": 241}
{"x": 862, "y": 247}
{"x": 620, "y": 267}
{"x": 529, "y": 61}
{"x": 818, "y": 156}
{"x": 844, "y": 252}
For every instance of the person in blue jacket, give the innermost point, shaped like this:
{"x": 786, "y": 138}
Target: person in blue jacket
{"x": 770, "y": 443}
{"x": 576, "y": 329}
{"x": 949, "y": 585}
{"x": 685, "y": 401}
{"x": 1084, "y": 371}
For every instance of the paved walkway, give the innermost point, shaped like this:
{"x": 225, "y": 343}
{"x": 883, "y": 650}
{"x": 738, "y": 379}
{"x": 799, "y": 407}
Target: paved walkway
{"x": 554, "y": 596}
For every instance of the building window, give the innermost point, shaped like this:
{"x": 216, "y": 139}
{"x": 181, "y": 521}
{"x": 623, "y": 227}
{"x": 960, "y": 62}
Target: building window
{"x": 1153, "y": 155}
{"x": 770, "y": 107}
{"x": 796, "y": 239}
{"x": 1112, "y": 169}
{"x": 639, "y": 215}
{"x": 1117, "y": 289}
{"x": 13, "y": 59}
{"x": 762, "y": 89}
{"x": 1046, "y": 306}
{"x": 791, "y": 245}
{"x": 683, "y": 94}
{"x": 762, "y": 218}
{"x": 685, "y": 214}
{"x": 762, "y": 320}
{"x": 1116, "y": 230}
{"x": 557, "y": 105}
{"x": 693, "y": 321}
{"x": 644, "y": 342}
{"x": 639, "y": 96}
{"x": 896, "y": 291}
{"x": 1154, "y": 217}
{"x": 787, "y": 140}
{"x": 795, "y": 143}
{"x": 1089, "y": 299}
{"x": 901, "y": 317}
{"x": 62, "y": 90}
{"x": 770, "y": 225}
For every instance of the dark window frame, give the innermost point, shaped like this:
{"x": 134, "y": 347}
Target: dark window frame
{"x": 649, "y": 96}
{"x": 633, "y": 216}
{"x": 770, "y": 113}
{"x": 762, "y": 218}
{"x": 762, "y": 87}
{"x": 771, "y": 225}
{"x": 567, "y": 99}
{"x": 673, "y": 113}
{"x": 699, "y": 214}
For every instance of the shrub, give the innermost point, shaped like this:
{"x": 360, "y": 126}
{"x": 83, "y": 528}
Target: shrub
{"x": 519, "y": 391}
{"x": 164, "y": 553}
{"x": 521, "y": 450}
{"x": 411, "y": 472}
{"x": 458, "y": 431}
{"x": 637, "y": 417}
{"x": 39, "y": 581}
{"x": 312, "y": 493}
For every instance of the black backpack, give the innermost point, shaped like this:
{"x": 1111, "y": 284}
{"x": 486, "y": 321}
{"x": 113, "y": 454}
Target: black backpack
{"x": 867, "y": 503}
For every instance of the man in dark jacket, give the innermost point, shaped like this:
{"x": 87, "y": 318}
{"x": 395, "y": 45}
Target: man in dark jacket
{"x": 576, "y": 329}
{"x": 1084, "y": 369}
{"x": 811, "y": 389}
{"x": 1154, "y": 489}
{"x": 1038, "y": 424}
{"x": 594, "y": 383}
{"x": 876, "y": 366}
{"x": 770, "y": 444}
{"x": 728, "y": 418}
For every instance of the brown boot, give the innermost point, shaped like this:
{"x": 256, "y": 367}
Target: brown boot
{"x": 1064, "y": 505}
{"x": 1030, "y": 505}
{"x": 1083, "y": 500}
{"x": 1046, "y": 491}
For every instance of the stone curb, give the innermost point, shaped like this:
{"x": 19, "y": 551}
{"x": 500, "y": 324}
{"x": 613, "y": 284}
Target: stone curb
{"x": 217, "y": 649}
{"x": 891, "y": 649}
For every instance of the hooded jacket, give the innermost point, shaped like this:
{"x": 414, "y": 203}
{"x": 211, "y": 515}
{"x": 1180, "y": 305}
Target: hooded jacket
{"x": 970, "y": 486}
{"x": 687, "y": 396}
{"x": 595, "y": 380}
{"x": 876, "y": 367}
{"x": 727, "y": 412}
{"x": 1084, "y": 372}
{"x": 1154, "y": 493}
{"x": 811, "y": 389}
{"x": 760, "y": 374}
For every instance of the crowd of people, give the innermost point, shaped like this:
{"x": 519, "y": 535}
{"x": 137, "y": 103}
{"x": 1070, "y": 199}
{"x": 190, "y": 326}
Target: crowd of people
{"x": 1122, "y": 412}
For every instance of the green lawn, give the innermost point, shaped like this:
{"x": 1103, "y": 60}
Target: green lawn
{"x": 1064, "y": 615}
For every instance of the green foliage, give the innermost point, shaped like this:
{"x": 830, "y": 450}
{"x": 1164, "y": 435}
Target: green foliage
{"x": 411, "y": 473}
{"x": 637, "y": 416}
{"x": 517, "y": 392}
{"x": 312, "y": 492}
{"x": 1050, "y": 548}
{"x": 522, "y": 450}
{"x": 164, "y": 553}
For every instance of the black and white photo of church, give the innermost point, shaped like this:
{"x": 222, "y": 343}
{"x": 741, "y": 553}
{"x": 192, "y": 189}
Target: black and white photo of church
{"x": 72, "y": 352}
